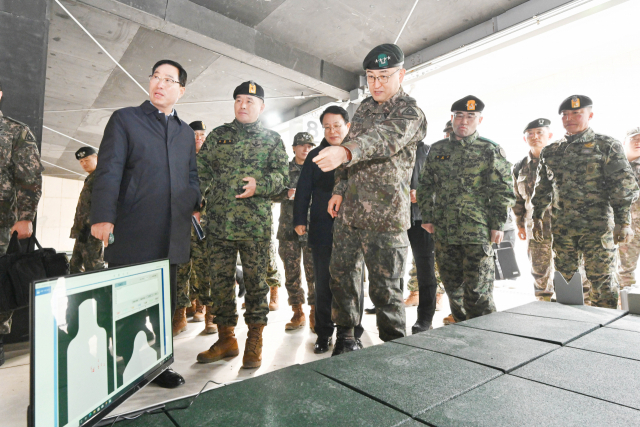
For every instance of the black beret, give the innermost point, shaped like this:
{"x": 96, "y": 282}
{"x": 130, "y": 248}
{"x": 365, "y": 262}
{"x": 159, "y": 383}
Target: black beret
{"x": 197, "y": 125}
{"x": 302, "y": 138}
{"x": 575, "y": 102}
{"x": 85, "y": 152}
{"x": 382, "y": 57}
{"x": 538, "y": 123}
{"x": 448, "y": 127}
{"x": 468, "y": 103}
{"x": 249, "y": 88}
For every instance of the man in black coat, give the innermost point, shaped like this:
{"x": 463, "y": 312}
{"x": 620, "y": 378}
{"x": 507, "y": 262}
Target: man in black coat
{"x": 146, "y": 186}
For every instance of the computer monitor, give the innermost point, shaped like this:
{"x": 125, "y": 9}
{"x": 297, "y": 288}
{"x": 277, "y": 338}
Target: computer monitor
{"x": 96, "y": 339}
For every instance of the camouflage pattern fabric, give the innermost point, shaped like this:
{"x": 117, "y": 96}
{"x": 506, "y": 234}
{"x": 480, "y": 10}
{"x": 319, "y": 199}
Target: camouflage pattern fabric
{"x": 230, "y": 153}
{"x": 588, "y": 181}
{"x": 465, "y": 190}
{"x": 292, "y": 254}
{"x": 194, "y": 277}
{"x": 467, "y": 274}
{"x": 255, "y": 259}
{"x": 273, "y": 277}
{"x": 385, "y": 254}
{"x": 629, "y": 252}
{"x": 88, "y": 252}
{"x": 20, "y": 184}
{"x": 286, "y": 229}
{"x": 87, "y": 256}
{"x": 375, "y": 184}
{"x": 412, "y": 285}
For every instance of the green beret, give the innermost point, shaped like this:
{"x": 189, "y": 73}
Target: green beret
{"x": 538, "y": 123}
{"x": 249, "y": 88}
{"x": 197, "y": 125}
{"x": 302, "y": 138}
{"x": 382, "y": 57}
{"x": 468, "y": 103}
{"x": 575, "y": 102}
{"x": 85, "y": 152}
{"x": 448, "y": 127}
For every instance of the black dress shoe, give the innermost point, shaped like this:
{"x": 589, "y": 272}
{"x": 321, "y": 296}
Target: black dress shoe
{"x": 344, "y": 345}
{"x": 359, "y": 343}
{"x": 322, "y": 345}
{"x": 371, "y": 310}
{"x": 169, "y": 379}
{"x": 421, "y": 327}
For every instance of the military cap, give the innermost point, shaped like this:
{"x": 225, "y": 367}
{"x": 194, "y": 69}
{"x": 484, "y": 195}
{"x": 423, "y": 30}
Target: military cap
{"x": 197, "y": 125}
{"x": 383, "y": 56}
{"x": 85, "y": 152}
{"x": 538, "y": 123}
{"x": 448, "y": 127}
{"x": 633, "y": 132}
{"x": 575, "y": 102}
{"x": 302, "y": 138}
{"x": 249, "y": 88}
{"x": 468, "y": 103}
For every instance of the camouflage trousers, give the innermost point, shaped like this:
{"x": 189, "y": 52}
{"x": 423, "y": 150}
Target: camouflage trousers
{"x": 629, "y": 254}
{"x": 5, "y": 318}
{"x": 412, "y": 285}
{"x": 467, "y": 274}
{"x": 193, "y": 275}
{"x": 87, "y": 256}
{"x": 223, "y": 259}
{"x": 274, "y": 279}
{"x": 385, "y": 255}
{"x": 599, "y": 256}
{"x": 292, "y": 254}
{"x": 541, "y": 258}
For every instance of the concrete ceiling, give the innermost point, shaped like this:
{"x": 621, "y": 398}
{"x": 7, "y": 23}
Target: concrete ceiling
{"x": 290, "y": 47}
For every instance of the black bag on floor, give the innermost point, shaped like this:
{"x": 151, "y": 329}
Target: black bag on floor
{"x": 505, "y": 261}
{"x": 19, "y": 267}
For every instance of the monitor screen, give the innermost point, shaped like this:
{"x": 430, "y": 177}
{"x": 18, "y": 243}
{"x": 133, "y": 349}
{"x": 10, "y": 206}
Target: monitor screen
{"x": 96, "y": 338}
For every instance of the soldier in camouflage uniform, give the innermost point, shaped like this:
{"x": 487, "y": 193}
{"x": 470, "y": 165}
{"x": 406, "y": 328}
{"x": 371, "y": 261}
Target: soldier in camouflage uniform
{"x": 629, "y": 252}
{"x": 88, "y": 252}
{"x": 371, "y": 199}
{"x": 588, "y": 181}
{"x": 465, "y": 192}
{"x": 21, "y": 188}
{"x": 292, "y": 248}
{"x": 242, "y": 166}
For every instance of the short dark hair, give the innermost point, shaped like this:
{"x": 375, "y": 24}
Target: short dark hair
{"x": 335, "y": 109}
{"x": 182, "y": 74}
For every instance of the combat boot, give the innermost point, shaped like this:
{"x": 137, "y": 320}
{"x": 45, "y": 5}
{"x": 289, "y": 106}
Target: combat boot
{"x": 253, "y": 349}
{"x": 438, "y": 302}
{"x": 191, "y": 310}
{"x": 449, "y": 320}
{"x": 413, "y": 299}
{"x": 209, "y": 326}
{"x": 273, "y": 300}
{"x": 226, "y": 346}
{"x": 298, "y": 320}
{"x": 179, "y": 320}
{"x": 198, "y": 316}
{"x": 312, "y": 318}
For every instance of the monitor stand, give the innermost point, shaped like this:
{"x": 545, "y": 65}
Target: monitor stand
{"x": 156, "y": 409}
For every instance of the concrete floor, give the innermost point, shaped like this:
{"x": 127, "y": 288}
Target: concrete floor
{"x": 281, "y": 348}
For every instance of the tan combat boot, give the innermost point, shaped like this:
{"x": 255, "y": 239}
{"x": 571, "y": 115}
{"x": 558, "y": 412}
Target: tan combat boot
{"x": 191, "y": 310}
{"x": 312, "y": 318}
{"x": 449, "y": 320}
{"x": 298, "y": 320}
{"x": 198, "y": 316}
{"x": 226, "y": 346}
{"x": 179, "y": 320}
{"x": 209, "y": 326}
{"x": 253, "y": 349}
{"x": 438, "y": 302}
{"x": 413, "y": 299}
{"x": 273, "y": 301}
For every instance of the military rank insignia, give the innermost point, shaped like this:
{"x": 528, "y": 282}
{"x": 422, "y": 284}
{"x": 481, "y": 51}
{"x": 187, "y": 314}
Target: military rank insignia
{"x": 471, "y": 105}
{"x": 252, "y": 88}
{"x": 575, "y": 102}
{"x": 590, "y": 145}
{"x": 443, "y": 157}
{"x": 225, "y": 141}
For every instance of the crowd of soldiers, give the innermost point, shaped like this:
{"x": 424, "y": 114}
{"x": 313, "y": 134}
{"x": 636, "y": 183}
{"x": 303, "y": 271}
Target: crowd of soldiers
{"x": 371, "y": 190}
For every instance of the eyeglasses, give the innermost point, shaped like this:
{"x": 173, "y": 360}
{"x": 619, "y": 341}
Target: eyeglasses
{"x": 167, "y": 80}
{"x": 382, "y": 79}
{"x": 469, "y": 116}
{"x": 335, "y": 128}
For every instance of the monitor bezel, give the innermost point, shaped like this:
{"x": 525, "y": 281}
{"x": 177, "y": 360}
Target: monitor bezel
{"x": 131, "y": 389}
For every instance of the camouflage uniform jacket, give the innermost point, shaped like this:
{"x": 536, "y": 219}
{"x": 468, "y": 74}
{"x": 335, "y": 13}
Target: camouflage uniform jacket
{"x": 20, "y": 173}
{"x": 465, "y": 190}
{"x": 375, "y": 184}
{"x": 635, "y": 207}
{"x": 81, "y": 223}
{"x": 231, "y": 152}
{"x": 525, "y": 174}
{"x": 286, "y": 229}
{"x": 590, "y": 182}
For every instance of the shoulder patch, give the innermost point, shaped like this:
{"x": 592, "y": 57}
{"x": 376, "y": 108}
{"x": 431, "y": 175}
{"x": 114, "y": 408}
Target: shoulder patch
{"x": 410, "y": 113}
{"x": 502, "y": 152}
{"x": 616, "y": 147}
{"x": 27, "y": 135}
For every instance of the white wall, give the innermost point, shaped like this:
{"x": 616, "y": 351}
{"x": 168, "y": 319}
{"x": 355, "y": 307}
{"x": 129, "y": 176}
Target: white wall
{"x": 56, "y": 211}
